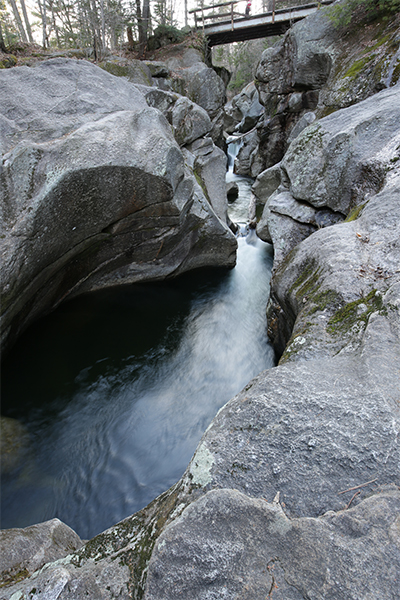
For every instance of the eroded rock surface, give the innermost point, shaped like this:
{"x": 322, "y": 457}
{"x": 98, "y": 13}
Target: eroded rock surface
{"x": 332, "y": 168}
{"x": 95, "y": 191}
{"x": 294, "y": 489}
{"x": 23, "y": 551}
{"x": 316, "y": 69}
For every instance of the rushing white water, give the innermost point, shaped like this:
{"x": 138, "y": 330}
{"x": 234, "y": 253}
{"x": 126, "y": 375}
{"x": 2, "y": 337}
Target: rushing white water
{"x": 238, "y": 210}
{"x": 120, "y": 428}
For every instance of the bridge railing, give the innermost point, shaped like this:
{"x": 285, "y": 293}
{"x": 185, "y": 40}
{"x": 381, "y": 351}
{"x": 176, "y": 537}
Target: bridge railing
{"x": 202, "y": 14}
{"x": 205, "y": 15}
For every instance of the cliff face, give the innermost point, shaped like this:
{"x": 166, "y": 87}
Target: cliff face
{"x": 96, "y": 190}
{"x": 293, "y": 491}
{"x": 317, "y": 68}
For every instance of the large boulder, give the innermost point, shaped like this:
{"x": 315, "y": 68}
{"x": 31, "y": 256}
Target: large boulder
{"x": 244, "y": 110}
{"x": 95, "y": 191}
{"x": 24, "y": 551}
{"x": 332, "y": 168}
{"x": 191, "y": 77}
{"x": 318, "y": 68}
{"x": 229, "y": 545}
{"x": 189, "y": 121}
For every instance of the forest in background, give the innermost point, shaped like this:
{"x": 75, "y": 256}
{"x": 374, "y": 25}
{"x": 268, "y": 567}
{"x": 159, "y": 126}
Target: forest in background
{"x": 107, "y": 23}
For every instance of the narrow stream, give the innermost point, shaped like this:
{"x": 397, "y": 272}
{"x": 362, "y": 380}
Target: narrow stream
{"x": 115, "y": 389}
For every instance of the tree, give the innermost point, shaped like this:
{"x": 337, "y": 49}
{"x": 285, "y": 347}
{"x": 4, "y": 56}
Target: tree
{"x": 26, "y": 19}
{"x": 143, "y": 20}
{"x": 18, "y": 20}
{"x": 2, "y": 44}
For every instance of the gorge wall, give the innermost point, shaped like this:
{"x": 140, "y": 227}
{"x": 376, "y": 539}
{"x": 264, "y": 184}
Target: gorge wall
{"x": 96, "y": 190}
{"x": 293, "y": 491}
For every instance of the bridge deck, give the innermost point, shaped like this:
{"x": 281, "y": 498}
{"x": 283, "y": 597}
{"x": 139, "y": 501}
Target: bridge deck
{"x": 264, "y": 25}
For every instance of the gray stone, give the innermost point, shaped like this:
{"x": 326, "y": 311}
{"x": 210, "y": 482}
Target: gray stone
{"x": 202, "y": 85}
{"x": 23, "y": 551}
{"x": 227, "y": 545}
{"x": 189, "y": 121}
{"x": 157, "y": 69}
{"x": 95, "y": 191}
{"x": 210, "y": 166}
{"x": 340, "y": 160}
{"x": 293, "y": 491}
{"x": 266, "y": 183}
{"x": 301, "y": 124}
{"x": 336, "y": 271}
{"x": 246, "y": 162}
{"x": 285, "y": 223}
{"x": 317, "y": 67}
{"x": 136, "y": 71}
{"x": 162, "y": 100}
{"x": 248, "y": 108}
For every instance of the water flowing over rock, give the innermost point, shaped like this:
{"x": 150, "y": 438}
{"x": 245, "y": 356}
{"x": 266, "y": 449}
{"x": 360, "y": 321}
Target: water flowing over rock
{"x": 294, "y": 489}
{"x": 95, "y": 191}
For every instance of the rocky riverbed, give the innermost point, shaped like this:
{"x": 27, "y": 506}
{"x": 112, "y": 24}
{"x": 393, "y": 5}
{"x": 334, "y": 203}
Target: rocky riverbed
{"x": 293, "y": 491}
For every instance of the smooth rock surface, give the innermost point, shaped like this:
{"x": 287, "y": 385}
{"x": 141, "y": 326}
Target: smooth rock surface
{"x": 95, "y": 191}
{"x": 294, "y": 490}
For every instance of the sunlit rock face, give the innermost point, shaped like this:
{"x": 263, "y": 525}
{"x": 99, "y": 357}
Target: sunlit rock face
{"x": 95, "y": 191}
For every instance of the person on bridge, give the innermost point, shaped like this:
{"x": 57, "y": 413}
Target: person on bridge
{"x": 248, "y": 8}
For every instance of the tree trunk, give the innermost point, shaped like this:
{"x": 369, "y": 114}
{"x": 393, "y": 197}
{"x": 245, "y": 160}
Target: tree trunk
{"x": 17, "y": 17}
{"x": 103, "y": 24}
{"x": 95, "y": 26}
{"x": 26, "y": 19}
{"x": 54, "y": 22}
{"x": 131, "y": 43}
{"x": 2, "y": 44}
{"x": 186, "y": 13}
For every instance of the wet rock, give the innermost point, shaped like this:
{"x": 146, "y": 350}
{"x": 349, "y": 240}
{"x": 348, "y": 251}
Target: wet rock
{"x": 232, "y": 191}
{"x": 14, "y": 443}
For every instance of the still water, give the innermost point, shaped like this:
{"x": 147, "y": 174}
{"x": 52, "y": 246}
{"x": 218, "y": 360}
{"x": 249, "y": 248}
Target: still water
{"x": 115, "y": 389}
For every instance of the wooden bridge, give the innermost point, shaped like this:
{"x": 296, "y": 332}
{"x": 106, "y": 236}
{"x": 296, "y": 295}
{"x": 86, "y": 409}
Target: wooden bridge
{"x": 232, "y": 26}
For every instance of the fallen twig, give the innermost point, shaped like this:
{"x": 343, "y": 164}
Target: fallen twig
{"x": 352, "y": 498}
{"x": 358, "y": 486}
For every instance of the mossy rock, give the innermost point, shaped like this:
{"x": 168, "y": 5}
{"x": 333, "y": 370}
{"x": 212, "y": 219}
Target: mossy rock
{"x": 8, "y": 61}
